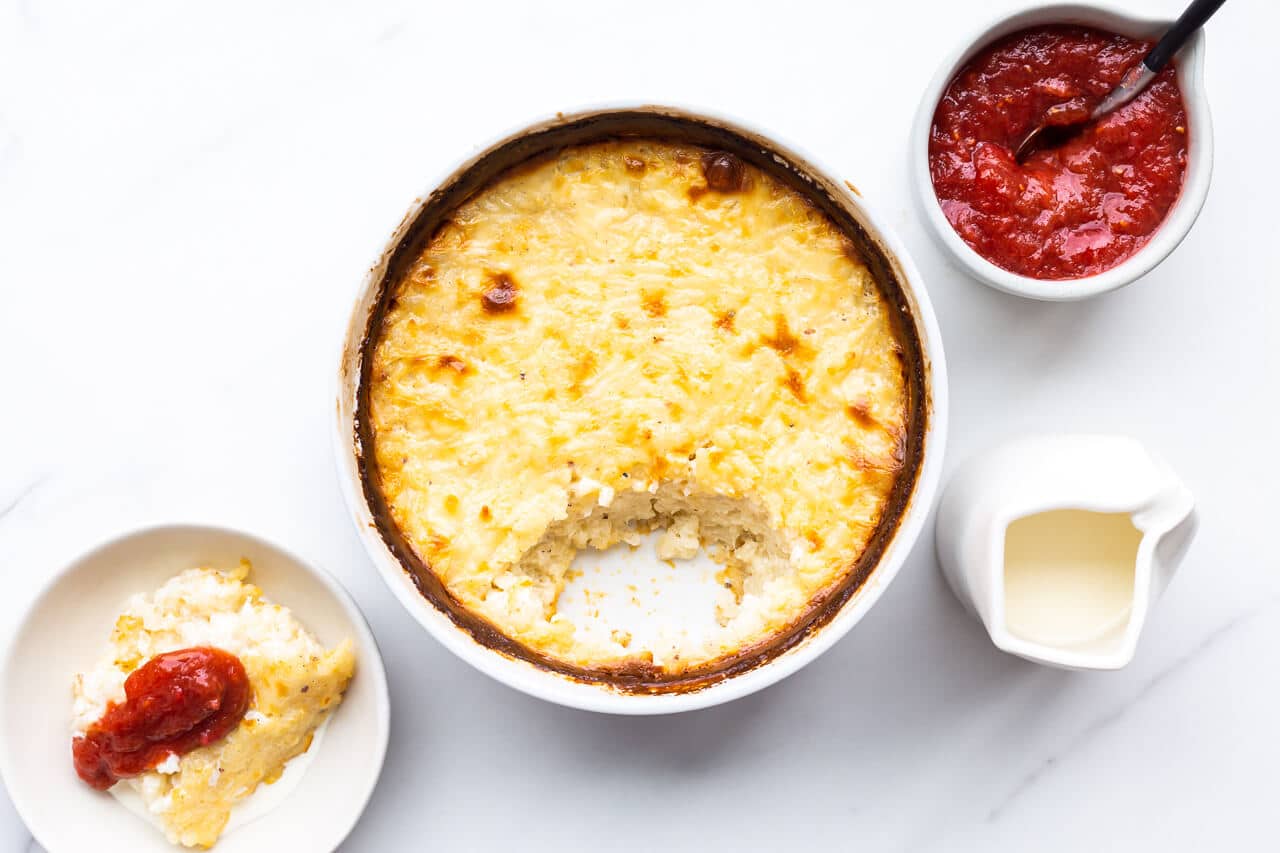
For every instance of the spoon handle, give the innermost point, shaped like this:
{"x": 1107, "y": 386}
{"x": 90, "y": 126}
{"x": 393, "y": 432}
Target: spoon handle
{"x": 1190, "y": 21}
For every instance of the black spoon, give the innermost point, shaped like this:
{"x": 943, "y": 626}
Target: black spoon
{"x": 1061, "y": 122}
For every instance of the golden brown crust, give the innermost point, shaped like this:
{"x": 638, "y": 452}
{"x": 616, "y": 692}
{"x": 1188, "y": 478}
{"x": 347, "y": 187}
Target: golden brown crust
{"x": 639, "y": 674}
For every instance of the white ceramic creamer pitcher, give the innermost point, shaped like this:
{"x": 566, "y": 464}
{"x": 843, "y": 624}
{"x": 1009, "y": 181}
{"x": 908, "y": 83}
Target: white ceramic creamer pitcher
{"x": 1061, "y": 543}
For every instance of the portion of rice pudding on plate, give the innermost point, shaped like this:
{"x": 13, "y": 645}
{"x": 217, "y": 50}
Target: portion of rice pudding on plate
{"x": 629, "y": 335}
{"x": 178, "y": 660}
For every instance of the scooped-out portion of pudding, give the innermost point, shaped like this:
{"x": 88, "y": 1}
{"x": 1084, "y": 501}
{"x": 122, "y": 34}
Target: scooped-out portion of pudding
{"x": 626, "y": 336}
{"x": 205, "y": 692}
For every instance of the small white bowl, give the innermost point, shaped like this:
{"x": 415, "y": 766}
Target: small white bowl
{"x": 65, "y": 631}
{"x": 1195, "y": 187}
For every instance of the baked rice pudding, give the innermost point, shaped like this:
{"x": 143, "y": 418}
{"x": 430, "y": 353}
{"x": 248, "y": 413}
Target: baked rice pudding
{"x": 631, "y": 335}
{"x": 294, "y": 684}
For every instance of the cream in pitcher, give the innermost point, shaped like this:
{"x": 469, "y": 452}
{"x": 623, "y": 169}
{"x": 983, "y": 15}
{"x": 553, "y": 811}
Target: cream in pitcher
{"x": 1061, "y": 543}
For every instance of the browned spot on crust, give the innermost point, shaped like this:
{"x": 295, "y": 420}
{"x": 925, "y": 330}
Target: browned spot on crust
{"x": 860, "y": 411}
{"x": 654, "y": 303}
{"x": 500, "y": 297}
{"x": 452, "y": 362}
{"x": 795, "y": 384}
{"x": 442, "y": 362}
{"x": 485, "y": 513}
{"x": 782, "y": 340}
{"x": 634, "y": 165}
{"x": 725, "y": 320}
{"x": 724, "y": 172}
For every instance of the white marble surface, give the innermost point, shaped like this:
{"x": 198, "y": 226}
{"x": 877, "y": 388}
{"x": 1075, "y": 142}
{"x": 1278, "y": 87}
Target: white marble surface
{"x": 189, "y": 196}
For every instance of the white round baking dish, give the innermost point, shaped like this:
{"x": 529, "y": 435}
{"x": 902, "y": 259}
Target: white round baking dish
{"x": 1178, "y": 222}
{"x": 556, "y": 687}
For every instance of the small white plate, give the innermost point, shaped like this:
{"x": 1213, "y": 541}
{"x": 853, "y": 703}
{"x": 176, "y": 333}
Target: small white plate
{"x": 67, "y": 627}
